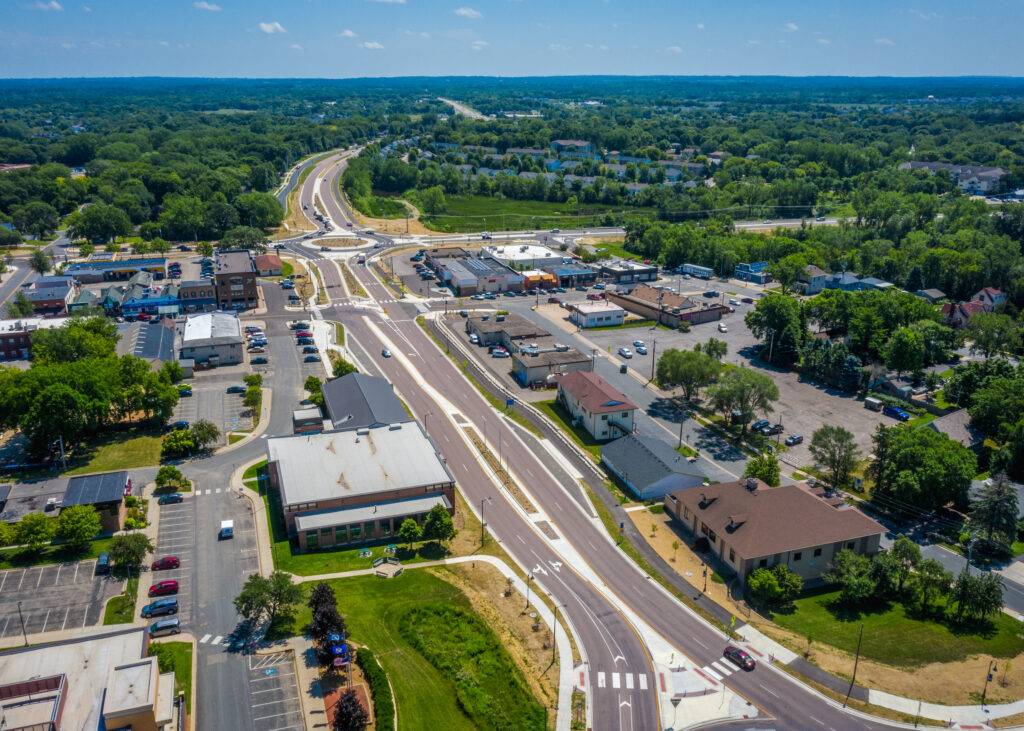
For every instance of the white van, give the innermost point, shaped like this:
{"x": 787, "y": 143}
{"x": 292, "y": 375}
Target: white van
{"x": 873, "y": 404}
{"x": 227, "y": 530}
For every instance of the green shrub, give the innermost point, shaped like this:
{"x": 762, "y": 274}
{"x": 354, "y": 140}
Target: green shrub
{"x": 380, "y": 689}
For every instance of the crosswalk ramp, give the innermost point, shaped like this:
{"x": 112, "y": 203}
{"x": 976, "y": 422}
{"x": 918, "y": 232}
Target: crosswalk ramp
{"x": 619, "y": 681}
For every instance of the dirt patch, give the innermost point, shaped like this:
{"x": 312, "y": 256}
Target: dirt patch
{"x": 300, "y": 274}
{"x": 1016, "y": 719}
{"x": 591, "y": 240}
{"x": 351, "y": 283}
{"x": 500, "y": 471}
{"x": 531, "y": 649}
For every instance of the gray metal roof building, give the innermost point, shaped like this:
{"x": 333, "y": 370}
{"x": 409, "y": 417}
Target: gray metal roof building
{"x": 358, "y": 401}
{"x": 648, "y": 466}
{"x": 107, "y": 487}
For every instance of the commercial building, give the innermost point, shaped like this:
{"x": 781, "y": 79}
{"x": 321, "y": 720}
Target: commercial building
{"x": 350, "y": 487}
{"x": 756, "y": 272}
{"x": 505, "y": 330}
{"x": 359, "y": 401}
{"x": 538, "y": 366}
{"x": 525, "y": 256}
{"x": 234, "y": 278}
{"x": 50, "y": 296}
{"x": 151, "y": 341}
{"x": 214, "y": 338}
{"x": 573, "y": 274}
{"x": 596, "y": 405}
{"x": 102, "y": 680}
{"x": 269, "y": 265}
{"x": 597, "y": 314}
{"x": 106, "y": 270}
{"x": 16, "y": 335}
{"x": 307, "y": 421}
{"x": 695, "y": 270}
{"x": 538, "y": 278}
{"x": 623, "y": 271}
{"x": 649, "y": 467}
{"x": 105, "y": 492}
{"x": 667, "y": 307}
{"x": 750, "y": 525}
{"x": 469, "y": 275}
{"x": 197, "y": 295}
{"x": 153, "y": 301}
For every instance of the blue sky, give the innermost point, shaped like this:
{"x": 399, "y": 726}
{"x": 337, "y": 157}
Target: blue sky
{"x": 345, "y": 38}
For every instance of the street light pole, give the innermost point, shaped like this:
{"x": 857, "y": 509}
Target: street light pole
{"x": 988, "y": 677}
{"x": 654, "y": 356}
{"x": 856, "y": 662}
{"x": 22, "y": 618}
{"x": 483, "y": 523}
{"x": 529, "y": 578}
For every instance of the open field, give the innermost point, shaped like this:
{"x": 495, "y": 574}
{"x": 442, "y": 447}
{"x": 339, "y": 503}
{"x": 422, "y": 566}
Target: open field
{"x": 118, "y": 451}
{"x": 466, "y": 213}
{"x": 378, "y": 206}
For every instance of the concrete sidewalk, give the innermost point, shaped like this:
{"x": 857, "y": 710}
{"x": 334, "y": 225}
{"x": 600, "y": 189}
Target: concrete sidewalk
{"x": 263, "y": 534}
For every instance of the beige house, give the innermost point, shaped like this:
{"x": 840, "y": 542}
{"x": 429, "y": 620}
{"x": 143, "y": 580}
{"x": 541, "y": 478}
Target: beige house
{"x": 750, "y": 525}
{"x": 595, "y": 405}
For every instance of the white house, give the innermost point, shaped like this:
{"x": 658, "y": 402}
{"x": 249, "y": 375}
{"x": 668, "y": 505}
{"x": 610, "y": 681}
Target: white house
{"x": 595, "y": 405}
{"x": 597, "y": 314}
{"x": 990, "y": 297}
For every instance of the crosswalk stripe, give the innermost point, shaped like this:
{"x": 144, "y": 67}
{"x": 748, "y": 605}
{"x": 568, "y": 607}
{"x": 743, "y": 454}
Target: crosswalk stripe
{"x": 722, "y": 668}
{"x": 209, "y": 491}
{"x": 205, "y": 639}
{"x": 643, "y": 681}
{"x": 616, "y": 682}
{"x": 712, "y": 673}
{"x": 600, "y": 680}
{"x": 629, "y": 681}
{"x": 217, "y": 491}
{"x": 217, "y": 639}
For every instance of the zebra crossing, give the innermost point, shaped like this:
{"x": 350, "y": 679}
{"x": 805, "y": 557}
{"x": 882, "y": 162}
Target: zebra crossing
{"x": 719, "y": 669}
{"x": 617, "y": 681}
{"x": 211, "y": 640}
{"x": 207, "y": 491}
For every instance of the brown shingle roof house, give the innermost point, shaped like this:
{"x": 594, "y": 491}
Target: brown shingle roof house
{"x": 751, "y": 526}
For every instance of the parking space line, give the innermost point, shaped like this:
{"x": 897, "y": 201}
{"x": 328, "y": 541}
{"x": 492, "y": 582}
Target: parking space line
{"x": 57, "y": 580}
{"x": 272, "y": 677}
{"x": 65, "y": 622}
{"x": 6, "y": 573}
{"x": 77, "y": 566}
{"x": 40, "y": 579}
{"x": 46, "y": 620}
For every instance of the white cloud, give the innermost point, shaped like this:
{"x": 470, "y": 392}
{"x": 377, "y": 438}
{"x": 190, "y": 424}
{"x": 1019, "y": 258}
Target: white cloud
{"x": 347, "y": 33}
{"x": 209, "y": 7}
{"x": 86, "y": 9}
{"x": 467, "y": 12}
{"x": 700, "y": 26}
{"x": 603, "y": 47}
{"x": 753, "y": 43}
{"x": 272, "y": 27}
{"x": 791, "y": 27}
{"x": 479, "y": 45}
{"x": 67, "y": 46}
{"x": 924, "y": 15}
{"x": 296, "y": 47}
{"x": 885, "y": 42}
{"x": 165, "y": 44}
{"x": 558, "y": 47}
{"x": 51, "y": 5}
{"x": 371, "y": 45}
{"x": 674, "y": 49}
{"x": 824, "y": 41}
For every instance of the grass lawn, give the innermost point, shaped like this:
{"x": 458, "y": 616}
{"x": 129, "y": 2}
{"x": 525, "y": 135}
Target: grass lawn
{"x": 18, "y": 558}
{"x": 484, "y": 213}
{"x": 287, "y": 269}
{"x": 118, "y": 450}
{"x": 332, "y": 560}
{"x": 373, "y": 609}
{"x": 616, "y": 249}
{"x": 894, "y": 638}
{"x": 923, "y": 419}
{"x": 378, "y": 206}
{"x": 561, "y": 418}
{"x": 176, "y": 656}
{"x": 232, "y": 438}
{"x": 121, "y": 609}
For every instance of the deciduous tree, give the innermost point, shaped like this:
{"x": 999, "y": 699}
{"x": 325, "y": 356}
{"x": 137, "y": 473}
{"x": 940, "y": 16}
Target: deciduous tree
{"x": 835, "y": 449}
{"x": 77, "y": 525}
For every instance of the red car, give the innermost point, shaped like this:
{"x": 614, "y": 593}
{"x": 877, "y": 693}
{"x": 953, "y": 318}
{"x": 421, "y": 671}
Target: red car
{"x": 739, "y": 657}
{"x": 161, "y": 588}
{"x": 303, "y": 334}
{"x": 167, "y": 562}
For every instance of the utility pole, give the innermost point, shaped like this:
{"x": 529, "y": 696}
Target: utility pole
{"x": 988, "y": 678}
{"x": 22, "y": 618}
{"x": 529, "y": 578}
{"x": 856, "y": 662}
{"x": 654, "y": 354}
{"x": 681, "y": 414}
{"x": 704, "y": 568}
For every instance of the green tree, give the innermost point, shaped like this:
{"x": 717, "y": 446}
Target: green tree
{"x": 433, "y": 200}
{"x": 204, "y": 249}
{"x": 341, "y": 367}
{"x": 85, "y": 250}
{"x": 921, "y": 467}
{"x": 438, "y": 525}
{"x": 35, "y": 531}
{"x": 172, "y": 372}
{"x": 885, "y": 572}
{"x": 992, "y": 333}
{"x": 40, "y": 261}
{"x": 314, "y": 387}
{"x": 714, "y": 348}
{"x": 128, "y": 550}
{"x": 976, "y": 597}
{"x": 778, "y": 321}
{"x": 58, "y": 411}
{"x": 245, "y": 237}
{"x": 687, "y": 370}
{"x": 907, "y": 554}
{"x": 787, "y": 270}
{"x": 253, "y": 600}
{"x": 410, "y": 532}
{"x": 764, "y": 467}
{"x": 169, "y": 476}
{"x": 37, "y": 218}
{"x": 790, "y": 583}
{"x": 20, "y": 306}
{"x": 904, "y": 351}
{"x": 931, "y": 580}
{"x": 745, "y": 391}
{"x": 349, "y": 714}
{"x": 325, "y": 621}
{"x": 253, "y": 379}
{"x": 835, "y": 449}
{"x": 93, "y": 337}
{"x": 259, "y": 210}
{"x": 159, "y": 246}
{"x": 764, "y": 587}
{"x": 852, "y": 573}
{"x": 253, "y": 396}
{"x": 77, "y": 525}
{"x": 178, "y": 443}
{"x": 100, "y": 223}
{"x": 204, "y": 432}
{"x": 994, "y": 512}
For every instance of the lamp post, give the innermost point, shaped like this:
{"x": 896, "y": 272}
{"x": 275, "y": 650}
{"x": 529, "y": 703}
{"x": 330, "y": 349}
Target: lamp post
{"x": 988, "y": 678}
{"x": 483, "y": 523}
{"x": 529, "y": 578}
{"x": 22, "y": 618}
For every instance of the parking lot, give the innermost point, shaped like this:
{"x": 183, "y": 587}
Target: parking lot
{"x": 274, "y": 692}
{"x": 211, "y": 401}
{"x": 176, "y": 536}
{"x": 54, "y": 597}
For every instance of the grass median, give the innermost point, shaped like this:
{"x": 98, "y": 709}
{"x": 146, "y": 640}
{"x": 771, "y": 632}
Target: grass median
{"x": 121, "y": 609}
{"x": 176, "y": 656}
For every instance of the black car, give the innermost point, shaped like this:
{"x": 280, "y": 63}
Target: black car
{"x": 259, "y": 360}
{"x": 794, "y": 439}
{"x": 759, "y": 424}
{"x": 102, "y": 564}
{"x": 170, "y": 498}
{"x": 772, "y": 429}
{"x": 310, "y": 349}
{"x": 236, "y": 389}
{"x": 161, "y": 607}
{"x": 741, "y": 658}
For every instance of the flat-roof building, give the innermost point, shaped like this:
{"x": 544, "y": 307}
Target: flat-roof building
{"x": 597, "y": 314}
{"x": 234, "y": 278}
{"x": 622, "y": 271}
{"x": 16, "y": 335}
{"x": 526, "y": 256}
{"x": 105, "y": 270}
{"x": 666, "y": 307}
{"x": 468, "y": 275}
{"x": 350, "y": 487}
{"x": 214, "y": 338}
{"x": 530, "y": 367}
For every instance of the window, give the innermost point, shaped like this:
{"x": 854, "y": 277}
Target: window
{"x": 712, "y": 537}
{"x": 355, "y": 532}
{"x": 368, "y": 528}
{"x": 625, "y": 414}
{"x": 817, "y": 552}
{"x": 798, "y": 555}
{"x": 850, "y": 545}
{"x": 311, "y": 538}
{"x": 341, "y": 534}
{"x": 763, "y": 563}
{"x": 732, "y": 556}
{"x": 385, "y": 527}
{"x": 604, "y": 417}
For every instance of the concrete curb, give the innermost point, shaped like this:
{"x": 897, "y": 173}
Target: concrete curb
{"x": 264, "y": 555}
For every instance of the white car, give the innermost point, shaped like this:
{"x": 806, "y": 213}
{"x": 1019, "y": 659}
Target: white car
{"x": 641, "y": 350}
{"x": 638, "y": 343}
{"x": 625, "y": 352}
{"x": 722, "y": 328}
{"x": 734, "y": 302}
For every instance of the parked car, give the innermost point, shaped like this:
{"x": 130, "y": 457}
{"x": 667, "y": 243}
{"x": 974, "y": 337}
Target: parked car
{"x": 166, "y": 562}
{"x": 313, "y": 358}
{"x": 625, "y": 352}
{"x": 581, "y": 288}
{"x": 794, "y": 439}
{"x": 304, "y": 341}
{"x": 184, "y": 389}
{"x": 741, "y": 658}
{"x": 759, "y": 425}
{"x": 165, "y": 627}
{"x": 896, "y": 412}
{"x": 303, "y": 334}
{"x": 599, "y": 285}
{"x": 161, "y": 588}
{"x": 711, "y": 293}
{"x": 161, "y": 608}
{"x": 256, "y": 349}
{"x": 747, "y": 300}
{"x": 298, "y": 325}
{"x": 638, "y": 343}
{"x": 170, "y": 498}
{"x": 236, "y": 389}
{"x": 102, "y": 564}
{"x": 310, "y": 349}
{"x": 722, "y": 328}
{"x": 500, "y": 354}
{"x": 554, "y": 301}
{"x": 771, "y": 430}
{"x": 641, "y": 350}
{"x": 734, "y": 302}
{"x": 259, "y": 360}
{"x": 179, "y": 424}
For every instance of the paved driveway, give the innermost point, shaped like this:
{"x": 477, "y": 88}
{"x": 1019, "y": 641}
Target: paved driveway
{"x": 53, "y": 597}
{"x": 274, "y": 692}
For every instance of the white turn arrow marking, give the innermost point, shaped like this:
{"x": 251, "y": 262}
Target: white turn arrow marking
{"x": 538, "y": 569}
{"x": 556, "y": 565}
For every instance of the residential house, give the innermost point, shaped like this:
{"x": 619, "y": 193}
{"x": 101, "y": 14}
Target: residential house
{"x": 574, "y": 148}
{"x": 717, "y": 158}
{"x": 991, "y": 298}
{"x": 649, "y": 467}
{"x": 960, "y": 313}
{"x": 596, "y": 405}
{"x": 974, "y": 179}
{"x": 934, "y": 296}
{"x": 813, "y": 279}
{"x": 351, "y": 487}
{"x": 269, "y": 265}
{"x": 957, "y": 426}
{"x": 750, "y": 525}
